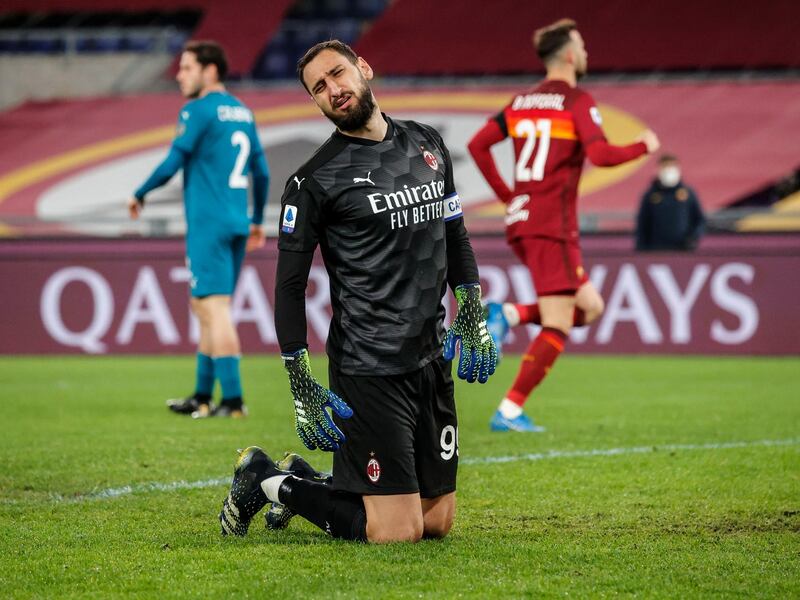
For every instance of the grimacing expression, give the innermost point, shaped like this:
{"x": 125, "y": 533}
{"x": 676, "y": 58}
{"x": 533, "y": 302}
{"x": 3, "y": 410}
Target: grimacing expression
{"x": 190, "y": 75}
{"x": 340, "y": 89}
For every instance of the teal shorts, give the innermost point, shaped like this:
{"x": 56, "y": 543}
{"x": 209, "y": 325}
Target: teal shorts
{"x": 214, "y": 262}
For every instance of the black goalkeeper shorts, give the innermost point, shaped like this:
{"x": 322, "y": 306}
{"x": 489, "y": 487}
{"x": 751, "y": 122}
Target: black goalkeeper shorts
{"x": 403, "y": 435}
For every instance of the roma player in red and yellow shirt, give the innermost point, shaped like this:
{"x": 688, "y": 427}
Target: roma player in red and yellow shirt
{"x": 554, "y": 127}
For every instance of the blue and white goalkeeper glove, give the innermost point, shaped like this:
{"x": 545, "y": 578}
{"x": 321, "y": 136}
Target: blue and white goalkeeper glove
{"x": 478, "y": 353}
{"x": 311, "y": 419}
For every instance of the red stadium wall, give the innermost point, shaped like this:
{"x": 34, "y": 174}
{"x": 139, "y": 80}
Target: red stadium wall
{"x": 732, "y": 138}
{"x": 418, "y": 37}
{"x": 130, "y": 296}
{"x": 457, "y": 37}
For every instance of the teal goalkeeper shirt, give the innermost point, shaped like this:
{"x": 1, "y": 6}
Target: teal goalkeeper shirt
{"x": 217, "y": 145}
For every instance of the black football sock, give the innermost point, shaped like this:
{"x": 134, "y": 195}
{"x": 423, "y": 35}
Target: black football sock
{"x": 235, "y": 403}
{"x": 202, "y": 398}
{"x": 340, "y": 514}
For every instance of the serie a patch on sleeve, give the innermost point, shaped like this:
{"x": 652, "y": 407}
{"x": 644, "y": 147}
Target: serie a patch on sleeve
{"x": 289, "y": 218}
{"x": 452, "y": 207}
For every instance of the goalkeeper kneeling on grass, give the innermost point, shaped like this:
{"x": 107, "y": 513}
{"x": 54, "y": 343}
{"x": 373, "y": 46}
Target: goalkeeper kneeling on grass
{"x": 378, "y": 198}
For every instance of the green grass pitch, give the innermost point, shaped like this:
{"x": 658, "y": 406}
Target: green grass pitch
{"x": 701, "y": 500}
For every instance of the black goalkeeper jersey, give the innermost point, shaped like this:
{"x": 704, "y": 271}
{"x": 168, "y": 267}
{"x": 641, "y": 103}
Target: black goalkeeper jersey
{"x": 378, "y": 210}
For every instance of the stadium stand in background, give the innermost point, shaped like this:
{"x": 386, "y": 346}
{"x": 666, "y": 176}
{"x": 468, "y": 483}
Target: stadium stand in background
{"x": 88, "y": 107}
{"x": 723, "y": 98}
{"x": 622, "y": 36}
{"x": 308, "y": 22}
{"x": 68, "y": 48}
{"x": 47, "y": 55}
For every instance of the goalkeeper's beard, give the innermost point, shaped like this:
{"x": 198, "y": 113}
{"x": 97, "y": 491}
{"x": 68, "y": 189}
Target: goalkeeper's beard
{"x": 358, "y": 116}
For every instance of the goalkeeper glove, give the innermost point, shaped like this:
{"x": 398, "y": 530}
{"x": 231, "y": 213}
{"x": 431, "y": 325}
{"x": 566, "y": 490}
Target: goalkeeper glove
{"x": 312, "y": 422}
{"x": 478, "y": 353}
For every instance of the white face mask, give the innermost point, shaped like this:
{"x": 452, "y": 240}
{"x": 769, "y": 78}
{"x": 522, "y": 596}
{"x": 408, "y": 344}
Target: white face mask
{"x": 669, "y": 176}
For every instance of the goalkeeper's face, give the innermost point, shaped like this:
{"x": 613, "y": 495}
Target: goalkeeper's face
{"x": 340, "y": 89}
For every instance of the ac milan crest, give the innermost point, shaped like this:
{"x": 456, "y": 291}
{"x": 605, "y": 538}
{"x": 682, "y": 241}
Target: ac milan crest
{"x": 430, "y": 159}
{"x": 373, "y": 470}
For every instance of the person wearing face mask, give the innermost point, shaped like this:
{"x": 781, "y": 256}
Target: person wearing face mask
{"x": 670, "y": 216}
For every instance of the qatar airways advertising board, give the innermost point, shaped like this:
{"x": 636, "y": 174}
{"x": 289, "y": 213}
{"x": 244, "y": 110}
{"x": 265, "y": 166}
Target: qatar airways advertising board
{"x": 130, "y": 296}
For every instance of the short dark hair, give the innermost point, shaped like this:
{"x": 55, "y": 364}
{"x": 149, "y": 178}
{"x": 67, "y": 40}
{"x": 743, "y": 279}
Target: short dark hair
{"x": 667, "y": 158}
{"x": 311, "y": 53}
{"x": 209, "y": 53}
{"x": 549, "y": 40}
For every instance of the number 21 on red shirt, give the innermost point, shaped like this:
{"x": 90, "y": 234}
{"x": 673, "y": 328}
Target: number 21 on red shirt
{"x": 528, "y": 129}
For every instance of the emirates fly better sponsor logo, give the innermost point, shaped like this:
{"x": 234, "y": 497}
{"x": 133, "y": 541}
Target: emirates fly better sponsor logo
{"x": 411, "y": 205}
{"x": 417, "y": 204}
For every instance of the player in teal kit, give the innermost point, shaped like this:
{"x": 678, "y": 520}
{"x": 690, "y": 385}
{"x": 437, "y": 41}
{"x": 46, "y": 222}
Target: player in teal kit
{"x": 217, "y": 147}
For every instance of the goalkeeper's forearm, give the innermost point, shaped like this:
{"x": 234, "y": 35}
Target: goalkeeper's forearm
{"x": 461, "y": 265}
{"x": 290, "y": 299}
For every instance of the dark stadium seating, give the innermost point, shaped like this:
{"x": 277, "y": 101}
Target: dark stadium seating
{"x": 243, "y": 27}
{"x": 309, "y": 22}
{"x": 418, "y": 37}
{"x": 93, "y": 32}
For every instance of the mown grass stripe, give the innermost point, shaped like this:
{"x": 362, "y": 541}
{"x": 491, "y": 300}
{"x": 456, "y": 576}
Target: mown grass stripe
{"x": 111, "y": 493}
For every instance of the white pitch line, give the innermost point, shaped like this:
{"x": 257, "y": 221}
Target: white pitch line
{"x": 111, "y": 493}
{"x": 487, "y": 460}
{"x": 139, "y": 488}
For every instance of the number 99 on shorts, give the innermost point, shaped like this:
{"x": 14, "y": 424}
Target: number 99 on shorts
{"x": 449, "y": 442}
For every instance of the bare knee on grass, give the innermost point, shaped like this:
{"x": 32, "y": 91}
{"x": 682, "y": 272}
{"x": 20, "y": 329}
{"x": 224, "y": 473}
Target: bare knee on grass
{"x": 438, "y": 515}
{"x": 394, "y": 518}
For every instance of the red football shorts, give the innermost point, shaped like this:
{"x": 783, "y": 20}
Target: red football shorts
{"x": 556, "y": 266}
